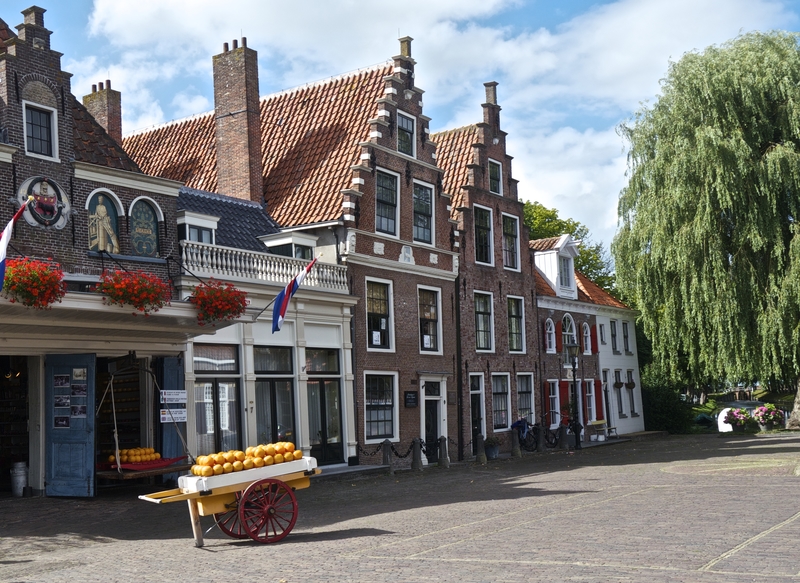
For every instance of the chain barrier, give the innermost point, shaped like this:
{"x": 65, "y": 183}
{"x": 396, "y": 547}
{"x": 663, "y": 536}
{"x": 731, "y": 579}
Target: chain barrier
{"x": 363, "y": 451}
{"x": 404, "y": 455}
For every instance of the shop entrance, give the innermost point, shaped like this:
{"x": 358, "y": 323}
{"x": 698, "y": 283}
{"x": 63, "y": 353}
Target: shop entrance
{"x": 13, "y": 416}
{"x": 325, "y": 421}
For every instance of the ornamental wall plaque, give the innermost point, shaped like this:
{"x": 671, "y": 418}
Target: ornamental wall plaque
{"x": 49, "y": 208}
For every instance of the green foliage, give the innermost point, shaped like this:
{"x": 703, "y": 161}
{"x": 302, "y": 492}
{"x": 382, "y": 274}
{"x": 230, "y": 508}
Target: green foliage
{"x": 708, "y": 245}
{"x": 593, "y": 260}
{"x": 662, "y": 406}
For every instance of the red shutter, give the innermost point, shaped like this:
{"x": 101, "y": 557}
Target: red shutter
{"x": 595, "y": 347}
{"x": 558, "y": 337}
{"x": 564, "y": 399}
{"x": 598, "y": 399}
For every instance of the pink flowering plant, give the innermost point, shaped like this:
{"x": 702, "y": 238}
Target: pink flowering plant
{"x": 768, "y": 413}
{"x": 738, "y": 417}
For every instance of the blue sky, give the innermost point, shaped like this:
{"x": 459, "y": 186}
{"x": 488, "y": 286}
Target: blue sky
{"x": 570, "y": 71}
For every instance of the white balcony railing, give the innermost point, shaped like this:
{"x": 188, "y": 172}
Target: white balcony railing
{"x": 225, "y": 262}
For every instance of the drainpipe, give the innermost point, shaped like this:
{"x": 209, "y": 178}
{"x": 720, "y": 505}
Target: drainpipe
{"x": 459, "y": 377}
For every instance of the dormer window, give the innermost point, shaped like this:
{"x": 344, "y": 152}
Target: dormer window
{"x": 197, "y": 227}
{"x": 405, "y": 134}
{"x": 565, "y": 271}
{"x": 495, "y": 177}
{"x": 296, "y": 245}
{"x": 200, "y": 234}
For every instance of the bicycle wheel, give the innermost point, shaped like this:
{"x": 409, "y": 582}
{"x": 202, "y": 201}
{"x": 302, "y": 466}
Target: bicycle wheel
{"x": 550, "y": 438}
{"x": 529, "y": 443}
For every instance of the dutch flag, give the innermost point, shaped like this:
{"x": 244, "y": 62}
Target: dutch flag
{"x": 4, "y": 240}
{"x": 283, "y": 299}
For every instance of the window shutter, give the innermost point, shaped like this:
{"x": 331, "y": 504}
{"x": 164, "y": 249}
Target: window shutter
{"x": 544, "y": 335}
{"x": 558, "y": 336}
{"x": 564, "y": 395}
{"x": 595, "y": 347}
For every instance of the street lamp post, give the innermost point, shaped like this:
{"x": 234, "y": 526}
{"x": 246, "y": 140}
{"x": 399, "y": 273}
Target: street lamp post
{"x": 574, "y": 422}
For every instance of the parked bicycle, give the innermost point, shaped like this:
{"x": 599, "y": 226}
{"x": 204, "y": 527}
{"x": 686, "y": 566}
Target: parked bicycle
{"x": 527, "y": 434}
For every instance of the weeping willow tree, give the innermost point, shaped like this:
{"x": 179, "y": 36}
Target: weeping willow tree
{"x": 708, "y": 246}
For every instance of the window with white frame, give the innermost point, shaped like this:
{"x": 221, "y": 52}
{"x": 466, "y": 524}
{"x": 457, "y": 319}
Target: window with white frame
{"x": 200, "y": 234}
{"x": 510, "y": 242}
{"x": 216, "y": 396}
{"x": 625, "y": 340}
{"x": 483, "y": 235}
{"x": 429, "y": 321}
{"x": 483, "y": 321}
{"x": 565, "y": 271}
{"x": 423, "y": 213}
{"x": 41, "y": 123}
{"x": 601, "y": 329}
{"x": 386, "y": 203}
{"x": 587, "y": 338}
{"x": 380, "y": 326}
{"x": 379, "y": 405}
{"x": 554, "y": 399}
{"x": 588, "y": 391}
{"x": 550, "y": 336}
{"x": 501, "y": 402}
{"x": 525, "y": 397}
{"x": 516, "y": 324}
{"x": 568, "y": 336}
{"x": 613, "y": 325}
{"x": 405, "y": 134}
{"x": 495, "y": 177}
{"x": 604, "y": 378}
{"x": 274, "y": 393}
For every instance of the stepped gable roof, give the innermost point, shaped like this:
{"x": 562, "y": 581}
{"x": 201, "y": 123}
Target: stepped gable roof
{"x": 241, "y": 222}
{"x": 453, "y": 155}
{"x": 309, "y": 141}
{"x": 93, "y": 144}
{"x": 547, "y": 244}
{"x": 595, "y": 294}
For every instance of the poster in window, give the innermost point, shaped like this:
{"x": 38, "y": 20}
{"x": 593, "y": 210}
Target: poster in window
{"x": 78, "y": 390}
{"x": 426, "y": 341}
{"x": 78, "y": 411}
{"x": 78, "y": 374}
{"x": 61, "y": 422}
{"x": 60, "y": 381}
{"x": 376, "y": 337}
{"x": 61, "y": 401}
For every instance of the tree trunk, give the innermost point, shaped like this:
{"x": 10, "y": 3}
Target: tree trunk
{"x": 794, "y": 418}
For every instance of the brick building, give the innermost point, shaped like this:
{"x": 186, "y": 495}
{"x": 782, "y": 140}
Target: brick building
{"x": 498, "y": 351}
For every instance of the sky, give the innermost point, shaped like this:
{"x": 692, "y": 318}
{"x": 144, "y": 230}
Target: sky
{"x": 569, "y": 71}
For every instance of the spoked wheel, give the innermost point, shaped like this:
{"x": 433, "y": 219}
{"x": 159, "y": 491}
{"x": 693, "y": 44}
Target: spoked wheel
{"x": 530, "y": 441}
{"x": 268, "y": 510}
{"x": 229, "y": 523}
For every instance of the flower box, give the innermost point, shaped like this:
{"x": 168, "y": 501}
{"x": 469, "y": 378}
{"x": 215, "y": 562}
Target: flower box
{"x": 33, "y": 283}
{"x": 217, "y": 301}
{"x": 144, "y": 291}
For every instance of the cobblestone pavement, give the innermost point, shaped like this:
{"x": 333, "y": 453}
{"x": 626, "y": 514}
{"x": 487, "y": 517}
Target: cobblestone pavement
{"x": 682, "y": 508}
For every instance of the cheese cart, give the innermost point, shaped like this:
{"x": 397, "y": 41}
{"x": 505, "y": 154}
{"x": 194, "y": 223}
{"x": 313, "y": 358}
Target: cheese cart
{"x": 257, "y": 503}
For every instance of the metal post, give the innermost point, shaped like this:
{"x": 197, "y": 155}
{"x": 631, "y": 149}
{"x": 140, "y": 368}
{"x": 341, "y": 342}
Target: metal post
{"x": 516, "y": 451}
{"x": 481, "y": 448}
{"x": 562, "y": 437}
{"x": 386, "y": 447}
{"x": 416, "y": 460}
{"x": 539, "y": 438}
{"x": 576, "y": 424}
{"x": 444, "y": 459}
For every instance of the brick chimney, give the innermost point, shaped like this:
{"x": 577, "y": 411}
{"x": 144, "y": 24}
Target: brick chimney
{"x": 238, "y": 122}
{"x": 105, "y": 105}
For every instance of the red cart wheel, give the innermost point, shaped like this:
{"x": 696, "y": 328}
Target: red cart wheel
{"x": 267, "y": 510}
{"x": 229, "y": 523}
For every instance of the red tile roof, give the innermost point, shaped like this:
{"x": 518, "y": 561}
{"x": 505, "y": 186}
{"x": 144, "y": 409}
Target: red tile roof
{"x": 94, "y": 145}
{"x": 542, "y": 287}
{"x": 595, "y": 294}
{"x": 453, "y": 154}
{"x": 544, "y": 244}
{"x": 309, "y": 140}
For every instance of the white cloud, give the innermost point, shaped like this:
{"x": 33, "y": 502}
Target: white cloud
{"x": 185, "y": 104}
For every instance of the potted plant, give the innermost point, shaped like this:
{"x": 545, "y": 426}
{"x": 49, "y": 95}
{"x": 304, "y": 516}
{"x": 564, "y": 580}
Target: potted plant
{"x": 630, "y": 385}
{"x": 33, "y": 283}
{"x": 492, "y": 447}
{"x": 767, "y": 416}
{"x": 737, "y": 419}
{"x": 217, "y": 301}
{"x": 144, "y": 291}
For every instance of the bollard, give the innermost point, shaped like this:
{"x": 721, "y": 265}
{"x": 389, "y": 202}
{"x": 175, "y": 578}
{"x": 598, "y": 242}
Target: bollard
{"x": 481, "y": 455}
{"x": 416, "y": 460}
{"x": 444, "y": 460}
{"x": 516, "y": 451}
{"x": 539, "y": 438}
{"x": 386, "y": 447}
{"x": 562, "y": 437}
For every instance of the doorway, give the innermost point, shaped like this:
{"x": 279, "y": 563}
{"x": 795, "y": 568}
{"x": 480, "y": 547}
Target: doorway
{"x": 13, "y": 416}
{"x": 476, "y": 409}
{"x": 433, "y": 422}
{"x": 325, "y": 421}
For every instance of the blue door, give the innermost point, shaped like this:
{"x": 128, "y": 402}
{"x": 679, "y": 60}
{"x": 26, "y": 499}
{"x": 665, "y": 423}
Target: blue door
{"x": 171, "y": 444}
{"x": 69, "y": 418}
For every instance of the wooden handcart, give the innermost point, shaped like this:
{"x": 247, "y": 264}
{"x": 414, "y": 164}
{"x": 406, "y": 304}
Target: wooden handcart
{"x": 258, "y": 503}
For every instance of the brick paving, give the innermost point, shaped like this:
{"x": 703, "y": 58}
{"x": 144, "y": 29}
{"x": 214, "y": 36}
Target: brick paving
{"x": 682, "y": 508}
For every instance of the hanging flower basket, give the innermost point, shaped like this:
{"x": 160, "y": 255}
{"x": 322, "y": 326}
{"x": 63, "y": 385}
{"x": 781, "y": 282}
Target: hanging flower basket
{"x": 630, "y": 385}
{"x": 33, "y": 283}
{"x": 144, "y": 291}
{"x": 217, "y": 301}
{"x": 618, "y": 385}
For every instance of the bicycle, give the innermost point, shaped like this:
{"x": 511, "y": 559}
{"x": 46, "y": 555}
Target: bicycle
{"x": 527, "y": 434}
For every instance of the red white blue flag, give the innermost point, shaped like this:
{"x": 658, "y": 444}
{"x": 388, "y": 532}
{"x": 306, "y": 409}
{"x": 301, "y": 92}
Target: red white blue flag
{"x": 4, "y": 240}
{"x": 283, "y": 299}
